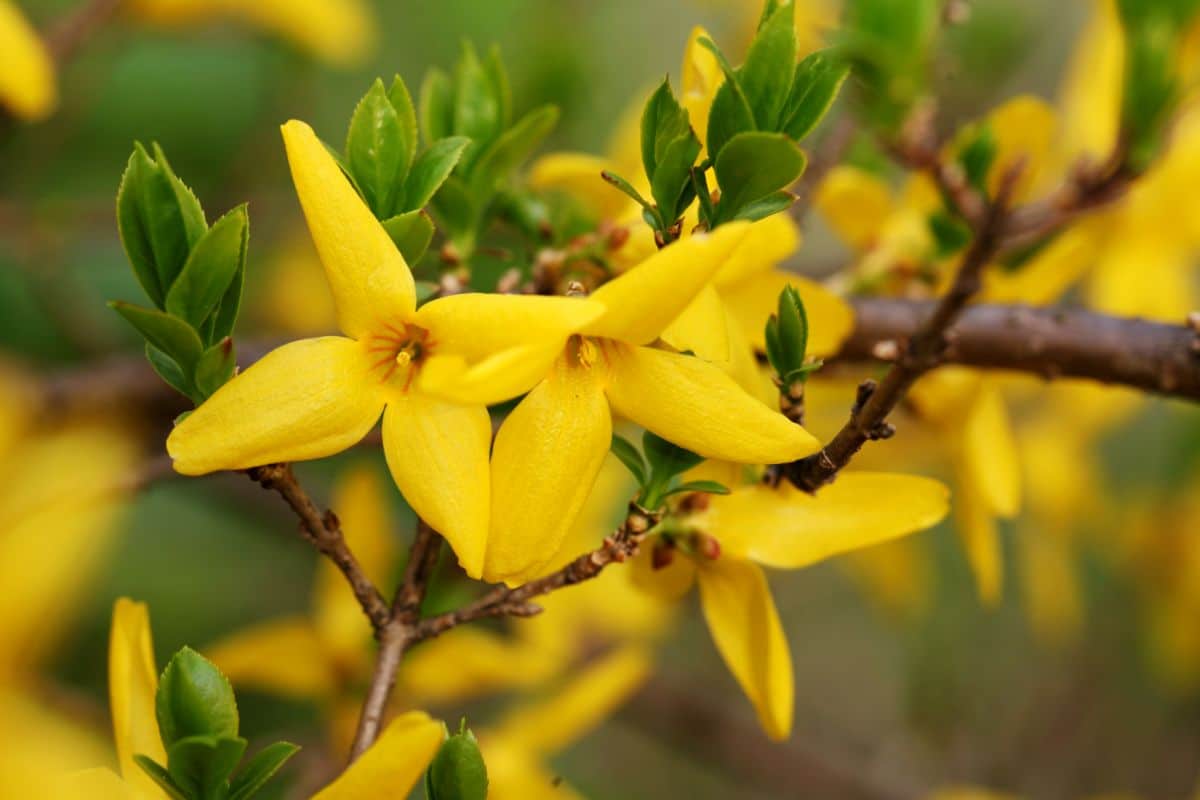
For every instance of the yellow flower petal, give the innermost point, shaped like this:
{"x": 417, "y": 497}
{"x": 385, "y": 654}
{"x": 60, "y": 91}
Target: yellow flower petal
{"x": 1091, "y": 93}
{"x": 92, "y": 784}
{"x": 1025, "y": 128}
{"x": 695, "y": 405}
{"x": 578, "y": 175}
{"x": 976, "y": 529}
{"x": 1048, "y": 275}
{"x": 856, "y": 204}
{"x": 744, "y": 624}
{"x": 830, "y": 318}
{"x": 701, "y": 328}
{"x": 27, "y": 82}
{"x": 438, "y": 455}
{"x": 990, "y": 453}
{"x": 40, "y": 740}
{"x": 643, "y": 302}
{"x": 307, "y": 399}
{"x": 508, "y": 374}
{"x": 769, "y": 242}
{"x": 788, "y": 528}
{"x": 393, "y": 764}
{"x": 484, "y": 662}
{"x": 592, "y": 694}
{"x": 132, "y": 683}
{"x": 701, "y": 77}
{"x": 545, "y": 461}
{"x": 284, "y": 657}
{"x": 371, "y": 284}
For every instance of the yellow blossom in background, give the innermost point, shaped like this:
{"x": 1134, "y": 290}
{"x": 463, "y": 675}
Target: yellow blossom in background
{"x": 295, "y": 297}
{"x": 27, "y": 82}
{"x": 316, "y": 397}
{"x": 341, "y": 32}
{"x": 783, "y": 528}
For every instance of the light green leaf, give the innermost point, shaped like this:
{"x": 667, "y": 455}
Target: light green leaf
{"x": 766, "y": 77}
{"x": 624, "y": 450}
{"x": 194, "y": 699}
{"x": 201, "y": 765}
{"x": 260, "y": 769}
{"x": 430, "y": 170}
{"x": 815, "y": 85}
{"x": 160, "y": 776}
{"x": 458, "y": 771}
{"x": 210, "y": 269}
{"x": 753, "y": 166}
{"x": 412, "y": 232}
{"x": 497, "y": 163}
{"x": 375, "y": 150}
{"x": 437, "y": 105}
{"x": 169, "y": 334}
{"x": 216, "y": 367}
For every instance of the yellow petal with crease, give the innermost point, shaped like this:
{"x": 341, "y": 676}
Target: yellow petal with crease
{"x": 284, "y": 657}
{"x": 856, "y": 204}
{"x": 745, "y": 626}
{"x": 307, "y": 399}
{"x": 371, "y": 284}
{"x": 475, "y": 326}
{"x": 545, "y": 461}
{"x": 578, "y": 175}
{"x": 501, "y": 377}
{"x": 438, "y": 455}
{"x": 694, "y": 404}
{"x": 990, "y": 453}
{"x": 788, "y": 528}
{"x": 701, "y": 328}
{"x": 132, "y": 683}
{"x": 769, "y": 242}
{"x": 643, "y": 302}
{"x": 27, "y": 82}
{"x": 830, "y": 318}
{"x": 393, "y": 764}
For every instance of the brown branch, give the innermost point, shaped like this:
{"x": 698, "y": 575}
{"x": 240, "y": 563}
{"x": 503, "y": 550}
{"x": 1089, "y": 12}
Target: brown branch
{"x": 324, "y": 530}
{"x": 1050, "y": 342}
{"x": 75, "y": 28}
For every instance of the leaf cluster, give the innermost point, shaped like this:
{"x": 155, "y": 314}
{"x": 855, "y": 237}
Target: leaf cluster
{"x": 658, "y": 467}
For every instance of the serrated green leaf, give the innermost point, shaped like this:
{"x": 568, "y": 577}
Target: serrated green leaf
{"x": 815, "y": 85}
{"x": 458, "y": 771}
{"x": 260, "y": 769}
{"x": 201, "y": 765}
{"x": 169, "y": 334}
{"x": 160, "y": 776}
{"x": 194, "y": 699}
{"x": 210, "y": 269}
{"x": 437, "y": 105}
{"x": 190, "y": 211}
{"x": 672, "y": 185}
{"x": 664, "y": 121}
{"x": 430, "y": 170}
{"x": 375, "y": 150}
{"x": 500, "y": 159}
{"x": 753, "y": 166}
{"x": 412, "y": 232}
{"x": 766, "y": 77}
{"x": 135, "y": 236}
{"x": 216, "y": 367}
{"x": 628, "y": 455}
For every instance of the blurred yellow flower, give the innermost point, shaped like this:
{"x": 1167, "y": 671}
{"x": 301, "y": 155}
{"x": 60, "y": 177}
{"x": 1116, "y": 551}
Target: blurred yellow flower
{"x": 27, "y": 83}
{"x": 316, "y": 397}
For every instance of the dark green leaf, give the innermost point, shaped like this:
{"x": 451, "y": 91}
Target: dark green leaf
{"x": 406, "y": 113}
{"x": 766, "y": 77}
{"x": 704, "y": 487}
{"x": 978, "y": 155}
{"x": 430, "y": 170}
{"x": 201, "y": 765}
{"x": 771, "y": 204}
{"x": 476, "y": 106}
{"x": 793, "y": 331}
{"x": 216, "y": 367}
{"x": 412, "y": 232}
{"x": 133, "y": 227}
{"x": 455, "y": 210}
{"x": 624, "y": 450}
{"x": 496, "y": 164}
{"x": 626, "y": 188}
{"x": 666, "y": 459}
{"x": 664, "y": 121}
{"x": 437, "y": 106}
{"x": 190, "y": 212}
{"x": 501, "y": 90}
{"x": 210, "y": 269}
{"x": 701, "y": 190}
{"x": 753, "y": 166}
{"x": 169, "y": 334}
{"x": 458, "y": 771}
{"x": 260, "y": 769}
{"x": 815, "y": 85}
{"x": 160, "y": 776}
{"x": 672, "y": 185}
{"x": 170, "y": 371}
{"x": 227, "y": 312}
{"x": 194, "y": 699}
{"x": 730, "y": 113}
{"x": 375, "y": 150}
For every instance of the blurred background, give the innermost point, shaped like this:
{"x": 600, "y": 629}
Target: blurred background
{"x": 1084, "y": 679}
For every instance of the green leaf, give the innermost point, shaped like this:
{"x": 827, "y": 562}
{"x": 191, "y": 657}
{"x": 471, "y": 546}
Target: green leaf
{"x": 753, "y": 166}
{"x": 766, "y": 77}
{"x": 787, "y": 336}
{"x": 510, "y": 150}
{"x": 227, "y": 311}
{"x": 624, "y": 450}
{"x": 672, "y": 185}
{"x": 455, "y": 210}
{"x": 194, "y": 699}
{"x": 426, "y": 291}
{"x": 412, "y": 232}
{"x": 730, "y": 113}
{"x": 626, "y": 188}
{"x": 477, "y": 106}
{"x": 664, "y": 121}
{"x": 458, "y": 771}
{"x": 666, "y": 459}
{"x": 210, "y": 269}
{"x": 159, "y": 775}
{"x": 978, "y": 155}
{"x": 815, "y": 85}
{"x": 430, "y": 170}
{"x": 406, "y": 113}
{"x": 767, "y": 206}
{"x": 375, "y": 150}
{"x": 493, "y": 65}
{"x": 216, "y": 367}
{"x": 260, "y": 769}
{"x": 703, "y": 487}
{"x": 190, "y": 212}
{"x": 170, "y": 371}
{"x": 437, "y": 101}
{"x": 169, "y": 334}
{"x": 133, "y": 228}
{"x": 201, "y": 765}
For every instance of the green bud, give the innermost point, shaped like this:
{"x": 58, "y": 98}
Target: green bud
{"x": 458, "y": 771}
{"x": 787, "y": 337}
{"x": 194, "y": 699}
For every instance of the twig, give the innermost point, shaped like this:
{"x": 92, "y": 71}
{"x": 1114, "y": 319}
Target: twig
{"x": 325, "y": 533}
{"x": 75, "y": 28}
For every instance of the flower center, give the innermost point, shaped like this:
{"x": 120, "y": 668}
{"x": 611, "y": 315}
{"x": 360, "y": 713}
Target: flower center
{"x": 399, "y": 351}
{"x": 583, "y": 351}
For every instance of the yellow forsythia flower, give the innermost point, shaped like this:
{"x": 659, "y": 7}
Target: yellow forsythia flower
{"x": 27, "y": 82}
{"x": 316, "y": 397}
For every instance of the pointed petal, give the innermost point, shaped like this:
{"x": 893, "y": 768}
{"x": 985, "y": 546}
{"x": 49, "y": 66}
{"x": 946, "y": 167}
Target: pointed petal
{"x": 643, "y": 302}
{"x": 545, "y": 461}
{"x": 830, "y": 318}
{"x": 132, "y": 683}
{"x": 284, "y": 657}
{"x": 701, "y": 328}
{"x": 744, "y": 624}
{"x": 342, "y": 32}
{"x": 769, "y": 242}
{"x": 484, "y": 662}
{"x": 508, "y": 374}
{"x": 393, "y": 764}
{"x": 695, "y": 405}
{"x": 438, "y": 455}
{"x": 371, "y": 284}
{"x": 578, "y": 175}
{"x": 990, "y": 453}
{"x": 856, "y": 204}
{"x": 789, "y": 528}
{"x": 27, "y": 82}
{"x": 594, "y": 693}
{"x": 307, "y": 399}
{"x": 476, "y": 326}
